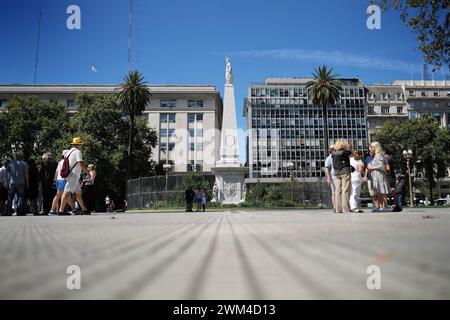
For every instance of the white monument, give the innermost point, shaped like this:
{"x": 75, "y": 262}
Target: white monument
{"x": 228, "y": 171}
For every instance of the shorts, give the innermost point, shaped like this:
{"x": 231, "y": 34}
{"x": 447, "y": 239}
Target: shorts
{"x": 370, "y": 187}
{"x": 72, "y": 184}
{"x": 60, "y": 184}
{"x": 333, "y": 188}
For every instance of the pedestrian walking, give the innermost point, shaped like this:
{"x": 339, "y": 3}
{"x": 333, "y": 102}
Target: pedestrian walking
{"x": 342, "y": 170}
{"x": 356, "y": 181}
{"x": 76, "y": 166}
{"x": 59, "y": 184}
{"x": 18, "y": 183}
{"x": 377, "y": 169}
{"x": 189, "y": 196}
{"x": 47, "y": 179}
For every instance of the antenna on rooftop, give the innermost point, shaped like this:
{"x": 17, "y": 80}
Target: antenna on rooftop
{"x": 37, "y": 47}
{"x": 130, "y": 12}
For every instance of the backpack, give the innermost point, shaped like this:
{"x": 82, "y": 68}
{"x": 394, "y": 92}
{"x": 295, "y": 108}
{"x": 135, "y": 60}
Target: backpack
{"x": 65, "y": 171}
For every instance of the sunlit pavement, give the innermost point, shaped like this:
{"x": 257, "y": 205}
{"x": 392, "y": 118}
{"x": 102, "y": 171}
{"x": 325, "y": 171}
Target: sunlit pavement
{"x": 291, "y": 254}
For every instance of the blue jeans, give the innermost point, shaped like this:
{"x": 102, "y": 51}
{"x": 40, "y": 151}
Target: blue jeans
{"x": 18, "y": 190}
{"x": 398, "y": 200}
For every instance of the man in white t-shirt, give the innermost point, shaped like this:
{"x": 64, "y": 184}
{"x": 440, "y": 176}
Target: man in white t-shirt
{"x": 76, "y": 166}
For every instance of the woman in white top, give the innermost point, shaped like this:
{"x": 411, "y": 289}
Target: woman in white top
{"x": 355, "y": 162}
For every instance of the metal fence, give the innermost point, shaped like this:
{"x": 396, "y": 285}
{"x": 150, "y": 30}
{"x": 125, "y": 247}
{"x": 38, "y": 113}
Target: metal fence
{"x": 159, "y": 191}
{"x": 167, "y": 192}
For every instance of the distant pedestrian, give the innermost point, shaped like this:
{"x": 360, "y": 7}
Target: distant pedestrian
{"x": 189, "y": 196}
{"x": 204, "y": 200}
{"x": 18, "y": 183}
{"x": 390, "y": 173}
{"x": 356, "y": 182}
{"x": 108, "y": 204}
{"x": 198, "y": 195}
{"x": 33, "y": 189}
{"x": 342, "y": 170}
{"x": 400, "y": 183}
{"x": 47, "y": 179}
{"x": 88, "y": 188}
{"x": 368, "y": 176}
{"x": 329, "y": 173}
{"x": 3, "y": 187}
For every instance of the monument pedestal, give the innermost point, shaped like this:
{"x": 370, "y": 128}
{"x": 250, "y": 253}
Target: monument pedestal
{"x": 230, "y": 182}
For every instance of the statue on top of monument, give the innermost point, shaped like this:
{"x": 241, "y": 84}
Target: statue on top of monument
{"x": 229, "y": 73}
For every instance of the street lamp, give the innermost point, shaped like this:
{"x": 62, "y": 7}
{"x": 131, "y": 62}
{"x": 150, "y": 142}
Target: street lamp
{"x": 408, "y": 156}
{"x": 167, "y": 167}
{"x": 291, "y": 168}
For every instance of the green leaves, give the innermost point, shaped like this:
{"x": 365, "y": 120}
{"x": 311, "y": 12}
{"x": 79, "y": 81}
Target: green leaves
{"x": 430, "y": 145}
{"x": 325, "y": 88}
{"x": 32, "y": 126}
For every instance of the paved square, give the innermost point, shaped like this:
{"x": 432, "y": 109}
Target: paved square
{"x": 290, "y": 254}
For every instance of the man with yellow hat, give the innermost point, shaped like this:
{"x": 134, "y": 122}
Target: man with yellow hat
{"x": 76, "y": 166}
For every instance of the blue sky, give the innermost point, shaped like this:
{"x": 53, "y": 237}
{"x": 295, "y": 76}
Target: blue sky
{"x": 182, "y": 41}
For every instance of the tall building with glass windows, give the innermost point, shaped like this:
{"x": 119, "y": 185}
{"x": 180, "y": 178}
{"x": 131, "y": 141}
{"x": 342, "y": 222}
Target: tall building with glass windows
{"x": 285, "y": 127}
{"x": 187, "y": 118}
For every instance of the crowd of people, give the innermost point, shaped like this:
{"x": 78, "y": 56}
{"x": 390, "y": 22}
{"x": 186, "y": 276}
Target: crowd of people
{"x": 346, "y": 172}
{"x": 25, "y": 188}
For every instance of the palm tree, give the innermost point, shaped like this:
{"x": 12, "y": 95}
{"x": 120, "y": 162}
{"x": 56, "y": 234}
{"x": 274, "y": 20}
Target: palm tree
{"x": 324, "y": 90}
{"x": 133, "y": 97}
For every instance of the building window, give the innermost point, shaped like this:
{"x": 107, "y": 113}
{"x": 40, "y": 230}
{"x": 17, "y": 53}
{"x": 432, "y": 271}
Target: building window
{"x": 163, "y": 146}
{"x": 384, "y": 110}
{"x": 168, "y": 103}
{"x": 412, "y": 104}
{"x": 399, "y": 110}
{"x": 437, "y": 104}
{"x": 437, "y": 116}
{"x": 436, "y": 94}
{"x": 167, "y": 117}
{"x": 196, "y": 132}
{"x": 413, "y": 115}
{"x": 165, "y": 132}
{"x": 192, "y": 166}
{"x": 423, "y": 93}
{"x": 195, "y": 103}
{"x": 71, "y": 104}
{"x": 424, "y": 104}
{"x": 399, "y": 96}
{"x": 196, "y": 146}
{"x": 195, "y": 117}
{"x": 411, "y": 93}
{"x": 370, "y": 110}
{"x": 3, "y": 103}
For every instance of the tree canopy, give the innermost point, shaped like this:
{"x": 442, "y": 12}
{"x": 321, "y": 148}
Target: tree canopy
{"x": 430, "y": 21}
{"x": 32, "y": 126}
{"x": 430, "y": 145}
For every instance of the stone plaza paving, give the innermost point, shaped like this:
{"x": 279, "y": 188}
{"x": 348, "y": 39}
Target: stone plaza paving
{"x": 277, "y": 254}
